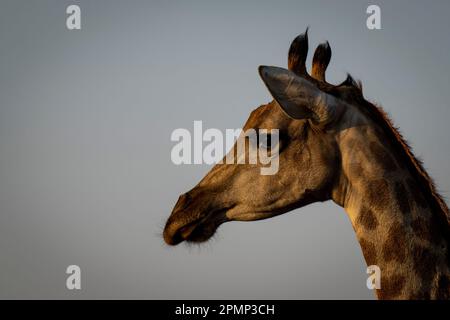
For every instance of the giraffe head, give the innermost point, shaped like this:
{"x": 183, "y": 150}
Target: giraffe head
{"x": 307, "y": 113}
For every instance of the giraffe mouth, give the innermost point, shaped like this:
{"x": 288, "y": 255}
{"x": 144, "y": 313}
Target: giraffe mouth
{"x": 196, "y": 231}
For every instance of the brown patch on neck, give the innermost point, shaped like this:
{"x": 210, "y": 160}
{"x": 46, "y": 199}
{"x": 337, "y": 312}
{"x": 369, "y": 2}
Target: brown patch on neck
{"x": 382, "y": 157}
{"x": 443, "y": 287}
{"x": 356, "y": 171}
{"x": 394, "y": 248}
{"x": 369, "y": 251}
{"x": 391, "y": 287}
{"x": 402, "y": 197}
{"x": 378, "y": 193}
{"x": 416, "y": 193}
{"x": 428, "y": 231}
{"x": 367, "y": 218}
{"x": 425, "y": 262}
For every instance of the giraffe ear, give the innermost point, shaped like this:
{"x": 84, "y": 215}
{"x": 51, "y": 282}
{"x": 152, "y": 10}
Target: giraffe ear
{"x": 298, "y": 97}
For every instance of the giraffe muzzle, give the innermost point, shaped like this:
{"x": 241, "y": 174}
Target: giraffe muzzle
{"x": 183, "y": 225}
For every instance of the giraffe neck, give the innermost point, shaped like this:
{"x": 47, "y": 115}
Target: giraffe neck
{"x": 394, "y": 223}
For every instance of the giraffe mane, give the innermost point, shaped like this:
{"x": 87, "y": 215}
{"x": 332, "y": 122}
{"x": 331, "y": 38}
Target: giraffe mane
{"x": 426, "y": 183}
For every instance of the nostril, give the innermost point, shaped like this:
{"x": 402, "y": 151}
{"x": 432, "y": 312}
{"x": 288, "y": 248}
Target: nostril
{"x": 183, "y": 201}
{"x": 172, "y": 233}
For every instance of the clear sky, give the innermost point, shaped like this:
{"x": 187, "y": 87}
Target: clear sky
{"x": 85, "y": 123}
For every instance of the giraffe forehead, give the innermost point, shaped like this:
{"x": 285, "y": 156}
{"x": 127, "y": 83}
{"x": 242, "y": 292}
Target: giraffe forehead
{"x": 268, "y": 117}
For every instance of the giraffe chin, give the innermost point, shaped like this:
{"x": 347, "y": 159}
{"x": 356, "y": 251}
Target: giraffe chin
{"x": 199, "y": 233}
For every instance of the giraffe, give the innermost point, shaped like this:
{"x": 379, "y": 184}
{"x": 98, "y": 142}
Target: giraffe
{"x": 333, "y": 145}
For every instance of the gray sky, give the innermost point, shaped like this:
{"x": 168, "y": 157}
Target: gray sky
{"x": 85, "y": 123}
